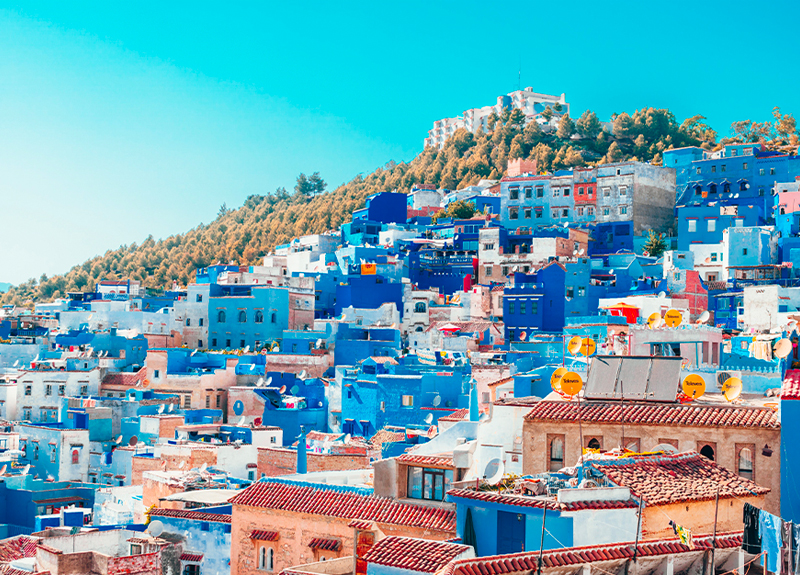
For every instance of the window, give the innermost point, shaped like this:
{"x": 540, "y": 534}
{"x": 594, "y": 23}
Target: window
{"x": 213, "y": 342}
{"x": 199, "y": 344}
{"x": 274, "y": 318}
{"x": 743, "y": 186}
{"x": 707, "y": 450}
{"x": 27, "y": 390}
{"x": 408, "y": 401}
{"x": 722, "y": 168}
{"x": 505, "y": 270}
{"x": 156, "y": 373}
{"x": 208, "y": 401}
{"x": 136, "y": 549}
{"x": 580, "y": 191}
{"x": 187, "y": 401}
{"x": 62, "y": 390}
{"x": 539, "y": 212}
{"x": 556, "y": 192}
{"x": 75, "y": 456}
{"x": 566, "y": 192}
{"x": 26, "y": 414}
{"x": 745, "y": 460}
{"x": 714, "y": 256}
{"x": 590, "y": 210}
{"x": 712, "y": 225}
{"x": 565, "y": 213}
{"x": 513, "y": 193}
{"x": 221, "y": 316}
{"x": 527, "y": 213}
{"x": 522, "y": 307}
{"x": 534, "y": 307}
{"x": 265, "y": 558}
{"x": 713, "y": 169}
{"x": 580, "y": 211}
{"x": 623, "y": 190}
{"x": 48, "y": 390}
{"x": 623, "y": 210}
{"x": 513, "y": 213}
{"x": 540, "y": 192}
{"x": 772, "y": 171}
{"x": 606, "y": 192}
{"x": 428, "y": 483}
{"x": 556, "y": 452}
{"x": 188, "y": 322}
{"x": 761, "y": 171}
{"x": 698, "y": 170}
{"x": 511, "y": 307}
{"x": 200, "y": 322}
{"x": 554, "y": 213}
{"x": 581, "y": 291}
{"x": 606, "y": 211}
{"x": 487, "y": 270}
{"x": 488, "y": 246}
{"x": 744, "y": 251}
{"x": 191, "y": 569}
{"x": 570, "y": 291}
{"x": 198, "y": 298}
{"x": 241, "y": 343}
{"x": 528, "y": 192}
{"x": 595, "y": 443}
{"x": 744, "y": 166}
{"x": 242, "y": 316}
{"x": 84, "y": 390}
{"x": 692, "y": 225}
{"x": 228, "y": 343}
{"x": 712, "y": 189}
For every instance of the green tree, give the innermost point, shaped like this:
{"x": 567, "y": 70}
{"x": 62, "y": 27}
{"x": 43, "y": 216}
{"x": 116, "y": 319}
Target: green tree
{"x": 623, "y": 126}
{"x": 588, "y": 125}
{"x": 547, "y": 113}
{"x": 303, "y": 187}
{"x": 459, "y": 210}
{"x": 785, "y": 124}
{"x": 316, "y": 184}
{"x": 223, "y": 210}
{"x": 566, "y": 127}
{"x": 655, "y": 245}
{"x": 614, "y": 153}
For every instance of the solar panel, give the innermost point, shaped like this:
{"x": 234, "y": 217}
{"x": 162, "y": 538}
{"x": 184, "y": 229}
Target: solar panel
{"x": 642, "y": 378}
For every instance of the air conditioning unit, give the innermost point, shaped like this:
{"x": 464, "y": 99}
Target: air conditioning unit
{"x": 723, "y": 375}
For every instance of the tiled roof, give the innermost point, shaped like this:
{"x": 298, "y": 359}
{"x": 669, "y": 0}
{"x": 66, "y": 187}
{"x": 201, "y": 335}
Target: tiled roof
{"x": 381, "y": 359}
{"x": 457, "y": 415}
{"x": 194, "y": 557}
{"x": 420, "y": 555}
{"x": 463, "y": 326}
{"x": 195, "y": 515}
{"x": 325, "y": 544}
{"x": 262, "y": 535}
{"x": 347, "y": 503}
{"x": 560, "y": 558}
{"x": 661, "y": 479}
{"x": 501, "y": 381}
{"x": 17, "y": 548}
{"x": 527, "y": 501}
{"x": 439, "y": 460}
{"x": 125, "y": 379}
{"x": 694, "y": 415}
{"x": 791, "y": 385}
{"x": 385, "y": 436}
{"x": 362, "y": 525}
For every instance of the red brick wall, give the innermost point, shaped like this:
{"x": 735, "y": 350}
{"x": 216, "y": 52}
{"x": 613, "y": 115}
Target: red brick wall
{"x": 145, "y": 564}
{"x": 273, "y": 461}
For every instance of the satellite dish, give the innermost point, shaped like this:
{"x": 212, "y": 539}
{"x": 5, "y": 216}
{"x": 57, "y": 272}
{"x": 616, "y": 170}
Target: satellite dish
{"x": 522, "y": 336}
{"x": 257, "y": 422}
{"x": 194, "y": 352}
{"x": 654, "y": 320}
{"x": 611, "y": 271}
{"x": 693, "y": 386}
{"x": 295, "y": 389}
{"x": 238, "y": 407}
{"x": 429, "y": 418}
{"x": 242, "y": 421}
{"x": 566, "y": 224}
{"x": 260, "y": 382}
{"x": 662, "y": 294}
{"x": 182, "y": 464}
{"x": 581, "y": 251}
{"x": 303, "y": 374}
{"x": 3, "y": 469}
{"x": 574, "y": 252}
{"x": 732, "y": 388}
{"x": 493, "y": 472}
{"x": 133, "y": 441}
{"x": 246, "y": 349}
{"x": 282, "y": 389}
{"x": 437, "y": 401}
{"x": 673, "y": 318}
{"x": 555, "y": 379}
{"x": 783, "y": 348}
{"x": 703, "y": 317}
{"x": 319, "y": 343}
{"x": 269, "y": 380}
{"x": 276, "y": 348}
{"x": 203, "y": 467}
{"x": 118, "y": 440}
{"x": 146, "y": 383}
{"x": 574, "y": 345}
{"x": 588, "y": 346}
{"x": 571, "y": 383}
{"x": 347, "y": 438}
{"x": 666, "y": 448}
{"x": 171, "y": 407}
{"x": 26, "y": 469}
{"x": 155, "y": 528}
{"x": 161, "y": 408}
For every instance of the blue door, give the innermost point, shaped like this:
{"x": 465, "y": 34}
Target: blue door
{"x": 510, "y": 532}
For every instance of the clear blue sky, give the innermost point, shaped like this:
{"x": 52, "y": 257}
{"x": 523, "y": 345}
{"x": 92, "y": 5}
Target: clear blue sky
{"x": 119, "y": 120}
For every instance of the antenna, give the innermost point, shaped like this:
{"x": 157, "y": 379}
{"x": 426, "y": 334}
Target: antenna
{"x": 155, "y": 528}
{"x": 493, "y": 472}
{"x": 693, "y": 386}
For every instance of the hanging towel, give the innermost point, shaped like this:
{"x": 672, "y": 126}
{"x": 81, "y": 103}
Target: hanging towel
{"x": 770, "y": 528}
{"x": 751, "y": 541}
{"x": 684, "y": 534}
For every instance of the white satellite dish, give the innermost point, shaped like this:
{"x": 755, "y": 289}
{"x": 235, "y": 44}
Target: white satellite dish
{"x": 574, "y": 252}
{"x": 666, "y": 448}
{"x": 155, "y": 528}
{"x": 260, "y": 382}
{"x": 203, "y": 467}
{"x": 566, "y": 224}
{"x": 118, "y": 440}
{"x": 303, "y": 374}
{"x": 319, "y": 343}
{"x": 269, "y": 380}
{"x": 662, "y": 294}
{"x": 181, "y": 465}
{"x": 171, "y": 406}
{"x": 347, "y": 438}
{"x": 242, "y": 421}
{"x": 703, "y": 317}
{"x": 429, "y": 418}
{"x": 581, "y": 251}
{"x": 16, "y": 363}
{"x": 3, "y": 470}
{"x": 26, "y": 469}
{"x": 50, "y": 477}
{"x": 247, "y": 349}
{"x": 611, "y": 271}
{"x": 193, "y": 353}
{"x": 493, "y": 473}
{"x": 161, "y": 408}
{"x": 437, "y": 401}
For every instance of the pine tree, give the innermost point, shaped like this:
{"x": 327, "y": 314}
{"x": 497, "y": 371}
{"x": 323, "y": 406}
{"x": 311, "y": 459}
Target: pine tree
{"x": 656, "y": 245}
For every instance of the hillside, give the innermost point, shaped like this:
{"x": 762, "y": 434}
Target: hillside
{"x": 246, "y": 234}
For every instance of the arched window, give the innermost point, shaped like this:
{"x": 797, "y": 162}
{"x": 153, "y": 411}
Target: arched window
{"x": 698, "y": 190}
{"x": 708, "y": 452}
{"x": 593, "y": 443}
{"x": 75, "y": 457}
{"x": 262, "y": 557}
{"x": 188, "y": 321}
{"x": 743, "y": 186}
{"x": 242, "y": 316}
{"x": 221, "y": 316}
{"x": 274, "y": 318}
{"x": 712, "y": 188}
{"x": 259, "y": 316}
{"x": 419, "y": 307}
{"x": 269, "y": 559}
{"x": 726, "y": 188}
{"x": 745, "y": 463}
{"x": 419, "y": 328}
{"x": 556, "y": 454}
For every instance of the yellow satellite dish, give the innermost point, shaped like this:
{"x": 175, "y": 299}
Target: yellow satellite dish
{"x": 732, "y": 388}
{"x": 588, "y": 346}
{"x": 574, "y": 345}
{"x": 783, "y": 348}
{"x": 694, "y": 386}
{"x": 571, "y": 383}
{"x": 673, "y": 318}
{"x": 654, "y": 320}
{"x": 555, "y": 379}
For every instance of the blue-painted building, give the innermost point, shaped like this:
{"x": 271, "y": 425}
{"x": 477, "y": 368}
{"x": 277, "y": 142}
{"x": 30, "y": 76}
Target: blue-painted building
{"x": 355, "y": 342}
{"x": 704, "y": 224}
{"x": 206, "y": 536}
{"x": 246, "y": 315}
{"x": 368, "y": 292}
{"x": 384, "y": 207}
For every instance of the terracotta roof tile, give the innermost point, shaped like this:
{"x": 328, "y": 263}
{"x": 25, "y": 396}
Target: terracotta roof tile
{"x": 527, "y": 501}
{"x": 566, "y": 557}
{"x": 325, "y": 544}
{"x": 676, "y": 478}
{"x": 263, "y": 535}
{"x": 194, "y": 557}
{"x": 420, "y": 555}
{"x": 791, "y": 385}
{"x": 457, "y": 415}
{"x": 125, "y": 379}
{"x": 362, "y": 525}
{"x": 347, "y": 503}
{"x": 655, "y": 414}
{"x": 17, "y": 548}
{"x": 195, "y": 515}
{"x": 438, "y": 460}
